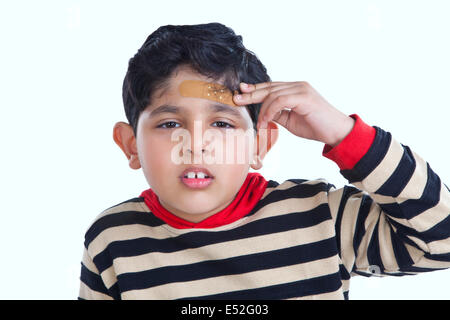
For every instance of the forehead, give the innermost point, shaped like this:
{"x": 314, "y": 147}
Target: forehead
{"x": 175, "y": 98}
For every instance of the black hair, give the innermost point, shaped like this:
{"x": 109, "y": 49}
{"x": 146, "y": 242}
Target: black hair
{"x": 211, "y": 49}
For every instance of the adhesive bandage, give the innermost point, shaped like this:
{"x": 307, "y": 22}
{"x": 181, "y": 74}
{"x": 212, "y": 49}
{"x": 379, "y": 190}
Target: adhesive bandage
{"x": 207, "y": 90}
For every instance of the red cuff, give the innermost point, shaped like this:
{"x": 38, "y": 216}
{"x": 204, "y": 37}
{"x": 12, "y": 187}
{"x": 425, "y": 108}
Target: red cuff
{"x": 354, "y": 146}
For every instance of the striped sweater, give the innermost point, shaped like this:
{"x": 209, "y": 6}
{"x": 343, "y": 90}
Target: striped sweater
{"x": 303, "y": 239}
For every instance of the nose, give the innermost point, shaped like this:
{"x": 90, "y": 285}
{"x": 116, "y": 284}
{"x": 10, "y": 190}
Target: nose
{"x": 196, "y": 157}
{"x": 197, "y": 146}
{"x": 190, "y": 151}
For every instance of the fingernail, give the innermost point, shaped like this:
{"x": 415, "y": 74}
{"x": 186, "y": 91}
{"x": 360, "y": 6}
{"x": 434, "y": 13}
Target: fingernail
{"x": 238, "y": 97}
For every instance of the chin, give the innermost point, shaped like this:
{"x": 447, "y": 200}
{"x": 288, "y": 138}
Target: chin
{"x": 196, "y": 207}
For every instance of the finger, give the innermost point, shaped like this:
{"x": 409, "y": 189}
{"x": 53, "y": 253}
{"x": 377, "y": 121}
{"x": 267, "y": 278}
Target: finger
{"x": 251, "y": 87}
{"x": 282, "y": 117}
{"x": 252, "y": 97}
{"x": 289, "y": 101}
{"x": 258, "y": 95}
{"x": 247, "y": 87}
{"x": 276, "y": 95}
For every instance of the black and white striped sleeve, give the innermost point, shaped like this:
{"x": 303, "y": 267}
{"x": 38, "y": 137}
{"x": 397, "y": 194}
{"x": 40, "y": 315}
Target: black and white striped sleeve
{"x": 395, "y": 219}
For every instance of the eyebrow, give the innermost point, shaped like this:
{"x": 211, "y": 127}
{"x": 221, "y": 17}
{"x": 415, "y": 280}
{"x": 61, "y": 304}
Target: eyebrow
{"x": 215, "y": 108}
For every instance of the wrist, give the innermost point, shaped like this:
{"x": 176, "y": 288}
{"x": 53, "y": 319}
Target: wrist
{"x": 353, "y": 147}
{"x": 342, "y": 131}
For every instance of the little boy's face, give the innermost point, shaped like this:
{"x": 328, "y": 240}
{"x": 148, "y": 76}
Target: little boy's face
{"x": 177, "y": 133}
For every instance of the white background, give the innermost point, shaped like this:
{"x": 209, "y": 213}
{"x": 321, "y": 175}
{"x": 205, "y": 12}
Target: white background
{"x": 62, "y": 65}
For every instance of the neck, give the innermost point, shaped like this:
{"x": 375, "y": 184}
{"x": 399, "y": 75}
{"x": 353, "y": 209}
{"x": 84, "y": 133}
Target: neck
{"x": 195, "y": 218}
{"x": 243, "y": 203}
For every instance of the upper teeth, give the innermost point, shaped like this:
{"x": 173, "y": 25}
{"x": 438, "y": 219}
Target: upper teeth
{"x": 192, "y": 175}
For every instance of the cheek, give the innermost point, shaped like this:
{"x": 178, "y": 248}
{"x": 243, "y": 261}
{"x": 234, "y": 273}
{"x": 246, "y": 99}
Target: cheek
{"x": 239, "y": 148}
{"x": 231, "y": 178}
{"x": 230, "y": 148}
{"x": 154, "y": 154}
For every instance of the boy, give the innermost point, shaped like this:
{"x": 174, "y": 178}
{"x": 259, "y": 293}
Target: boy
{"x": 209, "y": 229}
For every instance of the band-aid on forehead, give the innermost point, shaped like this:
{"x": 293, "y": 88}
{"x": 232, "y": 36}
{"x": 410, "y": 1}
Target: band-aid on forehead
{"x": 207, "y": 90}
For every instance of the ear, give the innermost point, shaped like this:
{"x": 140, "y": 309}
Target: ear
{"x": 123, "y": 136}
{"x": 265, "y": 139}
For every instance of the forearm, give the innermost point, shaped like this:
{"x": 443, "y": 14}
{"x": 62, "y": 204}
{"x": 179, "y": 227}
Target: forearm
{"x": 411, "y": 205}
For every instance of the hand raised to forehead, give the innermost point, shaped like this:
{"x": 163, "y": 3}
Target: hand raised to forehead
{"x": 299, "y": 108}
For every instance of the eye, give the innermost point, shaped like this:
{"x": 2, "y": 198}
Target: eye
{"x": 168, "y": 125}
{"x": 224, "y": 124}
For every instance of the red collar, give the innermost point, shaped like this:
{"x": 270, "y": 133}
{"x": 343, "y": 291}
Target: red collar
{"x": 249, "y": 194}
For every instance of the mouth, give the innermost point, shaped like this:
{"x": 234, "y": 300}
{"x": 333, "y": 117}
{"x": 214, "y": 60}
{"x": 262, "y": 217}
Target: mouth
{"x": 196, "y": 177}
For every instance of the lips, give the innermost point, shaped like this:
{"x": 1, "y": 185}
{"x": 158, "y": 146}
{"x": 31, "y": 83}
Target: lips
{"x": 196, "y": 177}
{"x": 198, "y": 173}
